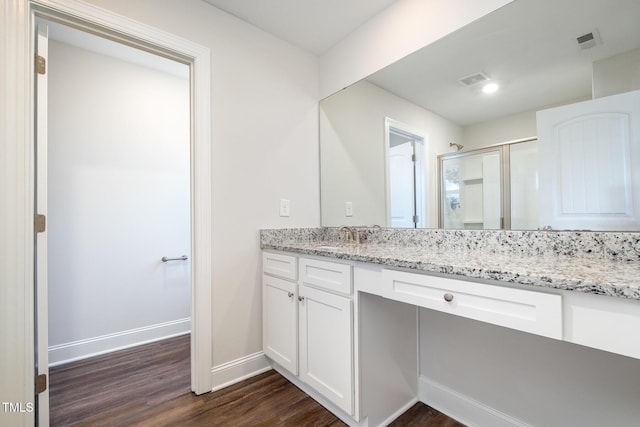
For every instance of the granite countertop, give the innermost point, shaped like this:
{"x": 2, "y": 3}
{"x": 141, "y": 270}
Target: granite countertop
{"x": 574, "y": 273}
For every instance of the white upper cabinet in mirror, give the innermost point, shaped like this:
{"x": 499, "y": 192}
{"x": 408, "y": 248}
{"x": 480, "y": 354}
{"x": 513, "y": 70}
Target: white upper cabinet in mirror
{"x": 541, "y": 53}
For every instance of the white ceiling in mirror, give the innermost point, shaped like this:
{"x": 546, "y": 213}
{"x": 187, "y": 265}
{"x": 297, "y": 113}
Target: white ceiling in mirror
{"x": 521, "y": 55}
{"x": 312, "y": 25}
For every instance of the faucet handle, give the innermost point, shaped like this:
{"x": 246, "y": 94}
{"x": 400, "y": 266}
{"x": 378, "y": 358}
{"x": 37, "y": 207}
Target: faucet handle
{"x": 348, "y": 233}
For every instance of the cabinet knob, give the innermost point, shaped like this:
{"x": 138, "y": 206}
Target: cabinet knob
{"x": 290, "y": 294}
{"x": 448, "y": 297}
{"x": 300, "y": 299}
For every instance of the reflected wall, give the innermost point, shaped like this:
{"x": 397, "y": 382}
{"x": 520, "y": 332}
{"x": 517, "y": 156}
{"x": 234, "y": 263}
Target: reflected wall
{"x": 352, "y": 153}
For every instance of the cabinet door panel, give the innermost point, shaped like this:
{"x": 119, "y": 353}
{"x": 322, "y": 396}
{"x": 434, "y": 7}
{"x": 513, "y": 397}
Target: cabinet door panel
{"x": 326, "y": 345}
{"x": 280, "y": 326}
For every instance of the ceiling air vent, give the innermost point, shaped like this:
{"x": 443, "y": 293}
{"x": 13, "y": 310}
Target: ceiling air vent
{"x": 473, "y": 79}
{"x": 589, "y": 40}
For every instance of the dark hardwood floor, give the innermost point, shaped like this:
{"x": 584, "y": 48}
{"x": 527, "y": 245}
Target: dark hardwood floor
{"x": 149, "y": 386}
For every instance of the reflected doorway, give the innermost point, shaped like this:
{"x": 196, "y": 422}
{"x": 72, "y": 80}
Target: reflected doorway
{"x": 406, "y": 199}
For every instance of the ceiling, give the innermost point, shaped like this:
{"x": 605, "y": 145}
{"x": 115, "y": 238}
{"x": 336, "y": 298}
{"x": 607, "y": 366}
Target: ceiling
{"x": 313, "y": 25}
{"x": 531, "y": 52}
{"x": 529, "y": 47}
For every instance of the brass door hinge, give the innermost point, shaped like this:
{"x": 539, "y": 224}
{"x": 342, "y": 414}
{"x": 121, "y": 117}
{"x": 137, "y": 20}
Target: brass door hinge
{"x": 41, "y": 65}
{"x": 41, "y": 383}
{"x": 40, "y": 223}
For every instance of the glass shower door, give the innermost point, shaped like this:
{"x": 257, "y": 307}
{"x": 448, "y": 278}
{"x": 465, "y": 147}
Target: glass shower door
{"x": 471, "y": 190}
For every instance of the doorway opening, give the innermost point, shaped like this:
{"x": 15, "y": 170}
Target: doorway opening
{"x": 406, "y": 176}
{"x": 197, "y": 59}
{"x": 118, "y": 195}
{"x": 117, "y": 190}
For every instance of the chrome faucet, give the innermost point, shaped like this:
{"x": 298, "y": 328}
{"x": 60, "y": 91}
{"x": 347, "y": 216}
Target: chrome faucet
{"x": 351, "y": 234}
{"x": 348, "y": 233}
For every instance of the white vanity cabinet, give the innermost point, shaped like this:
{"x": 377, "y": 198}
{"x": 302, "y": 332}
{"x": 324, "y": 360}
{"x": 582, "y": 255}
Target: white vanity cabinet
{"x": 326, "y": 329}
{"x": 280, "y": 309}
{"x": 364, "y": 339}
{"x": 308, "y": 323}
{"x": 326, "y": 343}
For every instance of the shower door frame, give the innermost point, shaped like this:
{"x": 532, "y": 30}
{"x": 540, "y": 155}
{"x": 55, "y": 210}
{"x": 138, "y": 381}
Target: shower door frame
{"x": 503, "y": 149}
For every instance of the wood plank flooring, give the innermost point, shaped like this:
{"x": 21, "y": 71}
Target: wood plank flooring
{"x": 149, "y": 385}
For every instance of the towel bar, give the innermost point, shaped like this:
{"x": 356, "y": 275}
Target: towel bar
{"x": 182, "y": 258}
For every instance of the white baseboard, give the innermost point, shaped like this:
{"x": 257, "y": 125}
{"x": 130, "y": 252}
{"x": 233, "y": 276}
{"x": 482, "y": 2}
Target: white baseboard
{"x": 462, "y": 408}
{"x": 82, "y": 349}
{"x": 237, "y": 370}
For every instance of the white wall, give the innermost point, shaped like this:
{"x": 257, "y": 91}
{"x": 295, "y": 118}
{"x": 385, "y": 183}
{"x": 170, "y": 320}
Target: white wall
{"x": 399, "y": 30}
{"x": 509, "y": 128}
{"x": 265, "y": 147}
{"x": 536, "y": 380}
{"x": 618, "y": 74}
{"x": 118, "y": 200}
{"x": 353, "y": 152}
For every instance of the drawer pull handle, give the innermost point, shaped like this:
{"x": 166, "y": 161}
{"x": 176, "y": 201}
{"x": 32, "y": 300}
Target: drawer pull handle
{"x": 448, "y": 297}
{"x": 290, "y": 294}
{"x": 300, "y": 299}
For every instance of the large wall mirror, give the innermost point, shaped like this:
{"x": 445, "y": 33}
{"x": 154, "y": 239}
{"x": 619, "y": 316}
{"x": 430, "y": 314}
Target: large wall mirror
{"x": 420, "y": 144}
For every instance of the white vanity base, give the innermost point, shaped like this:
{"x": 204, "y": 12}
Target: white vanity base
{"x": 484, "y": 353}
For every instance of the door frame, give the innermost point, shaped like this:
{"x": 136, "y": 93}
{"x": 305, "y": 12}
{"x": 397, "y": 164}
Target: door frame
{"x": 18, "y": 191}
{"x": 422, "y": 163}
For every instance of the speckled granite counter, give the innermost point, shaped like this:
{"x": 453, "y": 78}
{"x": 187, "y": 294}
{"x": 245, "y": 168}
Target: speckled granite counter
{"x": 596, "y": 263}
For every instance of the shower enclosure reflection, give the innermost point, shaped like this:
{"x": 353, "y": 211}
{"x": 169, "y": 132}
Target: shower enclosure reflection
{"x": 490, "y": 188}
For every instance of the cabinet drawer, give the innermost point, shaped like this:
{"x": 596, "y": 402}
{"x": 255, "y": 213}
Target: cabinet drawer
{"x": 327, "y": 275}
{"x": 529, "y": 311}
{"x": 280, "y": 265}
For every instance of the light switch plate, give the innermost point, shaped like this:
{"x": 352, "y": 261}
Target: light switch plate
{"x": 285, "y": 206}
{"x": 348, "y": 208}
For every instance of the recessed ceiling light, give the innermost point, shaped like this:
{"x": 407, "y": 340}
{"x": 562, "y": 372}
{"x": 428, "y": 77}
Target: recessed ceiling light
{"x": 490, "y": 88}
